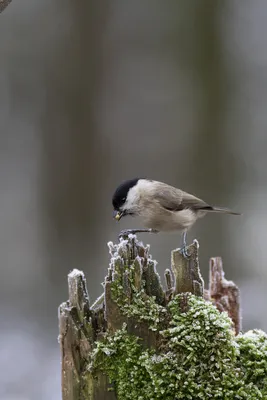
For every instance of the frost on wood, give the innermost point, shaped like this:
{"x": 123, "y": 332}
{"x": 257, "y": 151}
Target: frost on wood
{"x": 78, "y": 326}
{"x": 186, "y": 271}
{"x": 135, "y": 303}
{"x": 223, "y": 293}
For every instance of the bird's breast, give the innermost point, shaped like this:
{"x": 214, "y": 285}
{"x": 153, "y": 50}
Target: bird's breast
{"x": 165, "y": 220}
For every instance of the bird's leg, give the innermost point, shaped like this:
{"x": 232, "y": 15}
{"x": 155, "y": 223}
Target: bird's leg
{"x": 184, "y": 239}
{"x": 127, "y": 232}
{"x": 183, "y": 249}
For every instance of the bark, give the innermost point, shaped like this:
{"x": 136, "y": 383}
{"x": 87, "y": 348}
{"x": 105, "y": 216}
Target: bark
{"x": 131, "y": 271}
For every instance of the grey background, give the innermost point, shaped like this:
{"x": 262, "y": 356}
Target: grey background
{"x": 94, "y": 92}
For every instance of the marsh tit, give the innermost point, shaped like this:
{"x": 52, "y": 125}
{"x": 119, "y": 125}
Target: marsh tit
{"x": 162, "y": 208}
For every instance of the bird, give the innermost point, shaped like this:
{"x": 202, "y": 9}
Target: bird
{"x": 162, "y": 208}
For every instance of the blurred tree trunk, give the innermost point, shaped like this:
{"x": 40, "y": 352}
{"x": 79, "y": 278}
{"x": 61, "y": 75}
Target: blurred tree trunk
{"x": 211, "y": 72}
{"x": 202, "y": 57}
{"x": 212, "y": 148}
{"x": 73, "y": 156}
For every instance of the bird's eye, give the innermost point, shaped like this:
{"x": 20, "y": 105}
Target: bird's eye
{"x": 124, "y": 198}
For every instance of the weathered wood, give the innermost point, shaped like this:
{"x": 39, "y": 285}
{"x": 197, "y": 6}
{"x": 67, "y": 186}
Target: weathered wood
{"x": 4, "y": 4}
{"x": 223, "y": 293}
{"x": 77, "y": 335}
{"x": 186, "y": 271}
{"x": 131, "y": 266}
{"x": 153, "y": 285}
{"x": 74, "y": 343}
{"x": 131, "y": 277}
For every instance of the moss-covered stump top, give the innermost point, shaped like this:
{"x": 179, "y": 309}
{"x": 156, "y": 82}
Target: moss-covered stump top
{"x": 199, "y": 358}
{"x": 156, "y": 343}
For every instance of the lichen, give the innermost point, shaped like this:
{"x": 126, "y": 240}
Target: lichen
{"x": 252, "y": 358}
{"x": 200, "y": 358}
{"x": 142, "y": 306}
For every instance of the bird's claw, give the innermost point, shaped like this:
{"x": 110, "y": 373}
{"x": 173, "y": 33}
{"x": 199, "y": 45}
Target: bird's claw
{"x": 184, "y": 252}
{"x": 126, "y": 232}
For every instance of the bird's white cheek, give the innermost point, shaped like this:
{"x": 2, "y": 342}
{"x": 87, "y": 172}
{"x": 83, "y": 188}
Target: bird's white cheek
{"x": 132, "y": 204}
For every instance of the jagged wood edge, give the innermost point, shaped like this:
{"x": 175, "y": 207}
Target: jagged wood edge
{"x": 223, "y": 293}
{"x": 186, "y": 271}
{"x": 78, "y": 326}
{"x": 81, "y": 326}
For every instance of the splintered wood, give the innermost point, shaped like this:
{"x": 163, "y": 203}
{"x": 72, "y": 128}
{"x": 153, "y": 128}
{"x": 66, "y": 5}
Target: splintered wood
{"x": 186, "y": 271}
{"x": 131, "y": 271}
{"x": 223, "y": 293}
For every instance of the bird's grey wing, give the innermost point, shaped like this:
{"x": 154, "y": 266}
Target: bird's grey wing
{"x": 173, "y": 199}
{"x": 190, "y": 201}
{"x": 169, "y": 198}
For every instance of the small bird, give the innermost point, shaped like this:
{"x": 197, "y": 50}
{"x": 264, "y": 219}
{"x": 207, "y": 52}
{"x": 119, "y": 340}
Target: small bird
{"x": 162, "y": 207}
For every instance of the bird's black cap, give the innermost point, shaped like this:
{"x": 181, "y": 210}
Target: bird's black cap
{"x": 120, "y": 195}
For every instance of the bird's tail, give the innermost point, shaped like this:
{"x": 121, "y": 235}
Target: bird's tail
{"x": 222, "y": 210}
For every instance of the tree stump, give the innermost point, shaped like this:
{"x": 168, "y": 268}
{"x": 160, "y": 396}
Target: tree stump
{"x": 135, "y": 304}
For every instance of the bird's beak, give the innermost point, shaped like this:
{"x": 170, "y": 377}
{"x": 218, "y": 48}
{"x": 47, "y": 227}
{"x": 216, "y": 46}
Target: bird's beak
{"x": 117, "y": 215}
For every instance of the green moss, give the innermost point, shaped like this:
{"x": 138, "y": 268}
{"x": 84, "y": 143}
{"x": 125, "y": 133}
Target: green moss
{"x": 200, "y": 357}
{"x": 252, "y": 358}
{"x": 141, "y": 306}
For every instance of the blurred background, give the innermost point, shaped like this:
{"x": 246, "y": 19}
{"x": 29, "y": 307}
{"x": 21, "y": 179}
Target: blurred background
{"x": 95, "y": 92}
